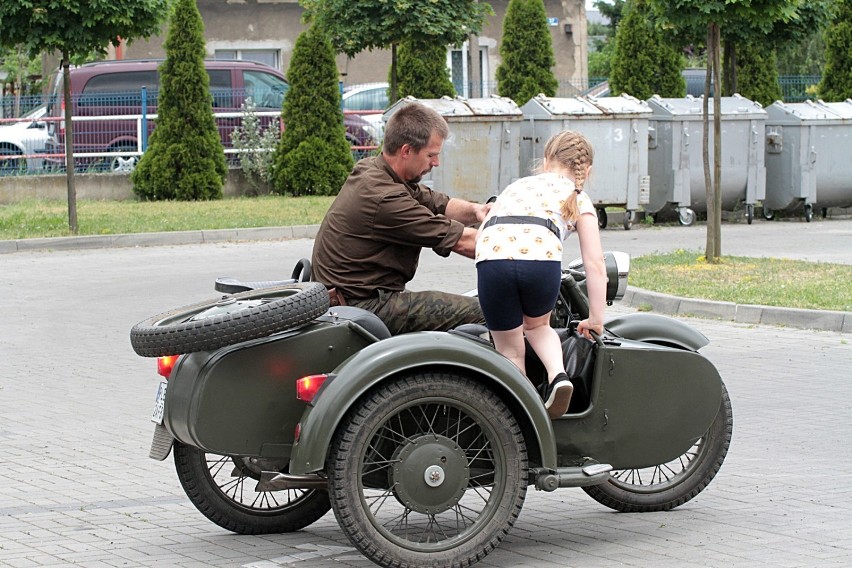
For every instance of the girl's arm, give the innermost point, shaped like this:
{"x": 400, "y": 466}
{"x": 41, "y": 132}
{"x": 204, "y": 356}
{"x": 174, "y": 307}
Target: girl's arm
{"x": 591, "y": 251}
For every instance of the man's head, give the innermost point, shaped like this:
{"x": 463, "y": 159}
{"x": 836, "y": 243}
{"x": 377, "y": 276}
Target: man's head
{"x": 413, "y": 140}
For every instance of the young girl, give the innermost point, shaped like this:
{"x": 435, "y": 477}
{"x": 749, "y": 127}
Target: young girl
{"x": 519, "y": 261}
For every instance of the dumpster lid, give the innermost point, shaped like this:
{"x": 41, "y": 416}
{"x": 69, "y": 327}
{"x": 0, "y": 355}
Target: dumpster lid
{"x": 624, "y": 104}
{"x": 842, "y": 109}
{"x": 494, "y": 106}
{"x": 803, "y": 111}
{"x": 736, "y": 105}
{"x": 445, "y": 106}
{"x": 545, "y": 107}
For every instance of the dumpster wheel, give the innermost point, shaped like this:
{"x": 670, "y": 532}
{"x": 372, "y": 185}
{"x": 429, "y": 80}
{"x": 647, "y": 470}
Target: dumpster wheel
{"x": 686, "y": 216}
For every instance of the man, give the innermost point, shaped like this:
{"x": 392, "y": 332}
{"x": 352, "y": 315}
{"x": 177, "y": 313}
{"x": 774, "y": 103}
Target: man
{"x": 369, "y": 243}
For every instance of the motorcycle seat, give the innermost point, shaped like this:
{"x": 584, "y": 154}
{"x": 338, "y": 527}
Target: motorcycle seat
{"x": 364, "y": 318}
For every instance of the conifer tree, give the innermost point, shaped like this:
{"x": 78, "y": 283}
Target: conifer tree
{"x": 757, "y": 73}
{"x": 527, "y": 53}
{"x": 185, "y": 158}
{"x": 422, "y": 71}
{"x": 313, "y": 157}
{"x": 836, "y": 82}
{"x": 645, "y": 63}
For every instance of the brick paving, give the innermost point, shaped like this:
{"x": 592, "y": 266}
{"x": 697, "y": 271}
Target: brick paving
{"x": 77, "y": 487}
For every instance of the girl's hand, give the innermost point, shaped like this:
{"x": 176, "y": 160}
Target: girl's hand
{"x": 586, "y": 327}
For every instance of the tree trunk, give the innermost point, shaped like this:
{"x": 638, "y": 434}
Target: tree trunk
{"x": 69, "y": 146}
{"x": 705, "y": 143}
{"x": 729, "y": 63}
{"x": 717, "y": 150}
{"x": 394, "y": 90}
{"x": 712, "y": 183}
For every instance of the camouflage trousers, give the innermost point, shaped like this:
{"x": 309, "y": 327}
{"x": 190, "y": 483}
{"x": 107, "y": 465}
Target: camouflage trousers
{"x": 404, "y": 312}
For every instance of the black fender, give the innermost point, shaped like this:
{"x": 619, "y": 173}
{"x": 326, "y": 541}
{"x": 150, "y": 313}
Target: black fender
{"x": 655, "y": 328}
{"x": 380, "y": 361}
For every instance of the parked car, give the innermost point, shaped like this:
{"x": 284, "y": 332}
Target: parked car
{"x": 26, "y": 137}
{"x": 368, "y": 97}
{"x": 110, "y": 95}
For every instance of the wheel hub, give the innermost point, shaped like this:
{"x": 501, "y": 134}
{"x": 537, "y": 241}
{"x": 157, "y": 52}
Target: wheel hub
{"x": 431, "y": 474}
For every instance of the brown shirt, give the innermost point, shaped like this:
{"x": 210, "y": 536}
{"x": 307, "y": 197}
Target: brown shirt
{"x": 372, "y": 235}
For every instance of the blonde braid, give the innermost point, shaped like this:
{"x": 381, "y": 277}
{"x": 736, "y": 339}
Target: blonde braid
{"x": 573, "y": 152}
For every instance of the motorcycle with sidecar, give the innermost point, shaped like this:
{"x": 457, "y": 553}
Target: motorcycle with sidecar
{"x": 278, "y": 408}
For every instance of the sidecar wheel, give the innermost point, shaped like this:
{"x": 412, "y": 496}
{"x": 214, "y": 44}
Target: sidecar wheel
{"x": 230, "y": 319}
{"x": 222, "y": 488}
{"x": 666, "y": 486}
{"x": 430, "y": 470}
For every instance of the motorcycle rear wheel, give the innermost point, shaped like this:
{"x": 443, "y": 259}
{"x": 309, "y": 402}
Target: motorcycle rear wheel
{"x": 666, "y": 486}
{"x": 222, "y": 488}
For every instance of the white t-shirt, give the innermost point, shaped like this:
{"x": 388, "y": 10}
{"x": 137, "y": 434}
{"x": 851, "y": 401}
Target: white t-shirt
{"x": 541, "y": 196}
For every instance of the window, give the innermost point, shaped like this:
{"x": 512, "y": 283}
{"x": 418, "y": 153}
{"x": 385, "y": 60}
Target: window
{"x": 458, "y": 61}
{"x": 265, "y": 89}
{"x": 266, "y": 56}
{"x": 120, "y": 89}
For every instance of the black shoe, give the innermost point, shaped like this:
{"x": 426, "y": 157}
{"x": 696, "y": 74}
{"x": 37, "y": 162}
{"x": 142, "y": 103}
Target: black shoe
{"x": 557, "y": 395}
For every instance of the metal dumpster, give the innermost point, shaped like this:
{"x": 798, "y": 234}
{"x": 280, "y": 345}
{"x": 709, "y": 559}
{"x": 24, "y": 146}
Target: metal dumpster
{"x": 676, "y": 162}
{"x": 480, "y": 157}
{"x": 808, "y": 157}
{"x": 617, "y": 128}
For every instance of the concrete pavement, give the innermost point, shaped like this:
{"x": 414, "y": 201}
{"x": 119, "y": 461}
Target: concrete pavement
{"x": 77, "y": 488}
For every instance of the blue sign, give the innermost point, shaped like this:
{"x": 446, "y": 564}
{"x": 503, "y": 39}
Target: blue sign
{"x": 553, "y": 21}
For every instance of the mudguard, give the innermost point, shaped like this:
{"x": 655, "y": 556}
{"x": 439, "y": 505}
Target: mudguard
{"x": 659, "y": 329}
{"x": 423, "y": 350}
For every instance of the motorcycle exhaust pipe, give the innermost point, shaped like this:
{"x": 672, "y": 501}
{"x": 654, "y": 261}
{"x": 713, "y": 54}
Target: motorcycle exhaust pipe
{"x": 277, "y": 481}
{"x": 592, "y": 474}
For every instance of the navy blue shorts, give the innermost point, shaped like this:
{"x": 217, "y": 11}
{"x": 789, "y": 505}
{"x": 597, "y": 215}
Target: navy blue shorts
{"x": 511, "y": 289}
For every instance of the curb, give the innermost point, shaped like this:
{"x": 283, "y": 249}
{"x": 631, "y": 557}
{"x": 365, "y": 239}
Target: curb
{"x": 159, "y": 239}
{"x": 634, "y": 297}
{"x": 823, "y": 320}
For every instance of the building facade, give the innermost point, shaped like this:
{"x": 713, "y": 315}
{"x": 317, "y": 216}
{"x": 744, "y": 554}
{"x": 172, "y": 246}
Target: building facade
{"x": 266, "y": 31}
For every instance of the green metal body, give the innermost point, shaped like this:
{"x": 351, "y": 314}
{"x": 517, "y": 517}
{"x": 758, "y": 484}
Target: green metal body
{"x": 649, "y": 402}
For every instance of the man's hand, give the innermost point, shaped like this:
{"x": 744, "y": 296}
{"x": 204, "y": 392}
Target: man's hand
{"x": 467, "y": 212}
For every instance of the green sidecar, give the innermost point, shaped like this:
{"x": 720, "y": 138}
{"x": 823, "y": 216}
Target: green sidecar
{"x": 278, "y": 409}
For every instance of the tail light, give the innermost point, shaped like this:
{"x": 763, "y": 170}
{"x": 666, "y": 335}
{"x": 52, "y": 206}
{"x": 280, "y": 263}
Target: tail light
{"x": 307, "y": 387}
{"x": 166, "y": 364}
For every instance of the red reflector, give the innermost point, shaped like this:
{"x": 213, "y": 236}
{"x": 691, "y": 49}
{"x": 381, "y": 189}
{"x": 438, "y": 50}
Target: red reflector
{"x": 307, "y": 387}
{"x": 166, "y": 364}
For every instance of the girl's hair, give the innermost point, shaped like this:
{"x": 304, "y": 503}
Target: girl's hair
{"x": 573, "y": 152}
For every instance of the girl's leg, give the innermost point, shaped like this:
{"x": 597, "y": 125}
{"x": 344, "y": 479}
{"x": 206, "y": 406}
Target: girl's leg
{"x": 545, "y": 342}
{"x": 510, "y": 344}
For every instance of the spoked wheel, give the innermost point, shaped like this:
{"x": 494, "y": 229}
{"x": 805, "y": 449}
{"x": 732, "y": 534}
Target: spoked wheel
{"x": 224, "y": 321}
{"x": 222, "y": 488}
{"x": 666, "y": 486}
{"x": 430, "y": 470}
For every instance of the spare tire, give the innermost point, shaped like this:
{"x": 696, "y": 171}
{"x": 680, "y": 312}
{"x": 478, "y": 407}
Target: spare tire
{"x": 230, "y": 319}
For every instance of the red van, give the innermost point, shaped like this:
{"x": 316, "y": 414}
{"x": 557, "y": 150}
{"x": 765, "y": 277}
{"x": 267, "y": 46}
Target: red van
{"x": 108, "y": 99}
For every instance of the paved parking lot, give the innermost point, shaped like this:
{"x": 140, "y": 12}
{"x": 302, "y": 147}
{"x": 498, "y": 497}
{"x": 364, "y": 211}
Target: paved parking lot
{"x": 77, "y": 488}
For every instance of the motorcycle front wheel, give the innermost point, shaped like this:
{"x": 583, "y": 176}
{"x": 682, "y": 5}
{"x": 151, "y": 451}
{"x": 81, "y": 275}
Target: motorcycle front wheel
{"x": 222, "y": 488}
{"x": 428, "y": 471}
{"x": 666, "y": 486}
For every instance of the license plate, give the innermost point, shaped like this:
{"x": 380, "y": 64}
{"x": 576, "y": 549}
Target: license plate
{"x": 159, "y": 403}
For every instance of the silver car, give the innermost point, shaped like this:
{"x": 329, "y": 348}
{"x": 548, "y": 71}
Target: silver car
{"x": 25, "y": 137}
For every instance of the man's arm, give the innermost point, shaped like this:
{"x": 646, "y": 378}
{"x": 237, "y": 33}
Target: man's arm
{"x": 466, "y": 212}
{"x": 466, "y": 245}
